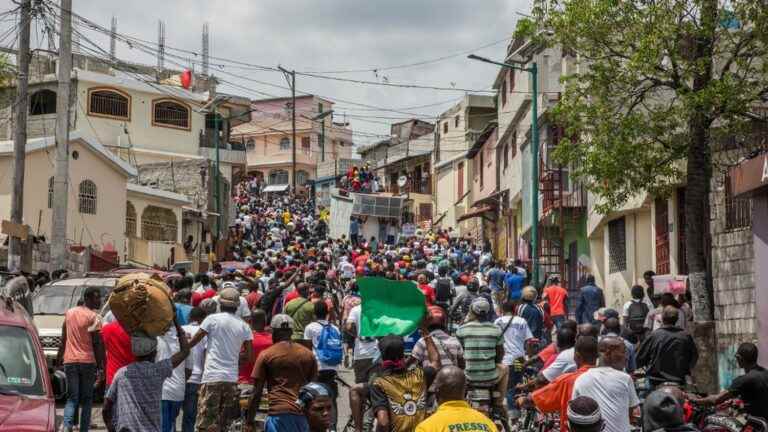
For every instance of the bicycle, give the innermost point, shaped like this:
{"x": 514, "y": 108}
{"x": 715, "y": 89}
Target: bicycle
{"x": 368, "y": 418}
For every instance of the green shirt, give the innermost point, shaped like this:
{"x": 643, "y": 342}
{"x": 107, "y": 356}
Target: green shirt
{"x": 303, "y": 312}
{"x": 479, "y": 340}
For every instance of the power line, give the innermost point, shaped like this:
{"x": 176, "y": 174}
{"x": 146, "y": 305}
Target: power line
{"x": 391, "y": 84}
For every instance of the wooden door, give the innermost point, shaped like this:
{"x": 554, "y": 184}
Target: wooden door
{"x": 662, "y": 236}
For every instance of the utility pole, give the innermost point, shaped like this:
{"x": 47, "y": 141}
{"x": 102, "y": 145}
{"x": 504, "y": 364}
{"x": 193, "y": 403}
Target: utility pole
{"x": 20, "y": 133}
{"x": 218, "y": 170}
{"x": 292, "y": 84}
{"x": 534, "y": 71}
{"x": 61, "y": 179}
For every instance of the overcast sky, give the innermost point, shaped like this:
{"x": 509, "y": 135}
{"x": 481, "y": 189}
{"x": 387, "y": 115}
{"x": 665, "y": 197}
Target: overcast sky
{"x": 326, "y": 35}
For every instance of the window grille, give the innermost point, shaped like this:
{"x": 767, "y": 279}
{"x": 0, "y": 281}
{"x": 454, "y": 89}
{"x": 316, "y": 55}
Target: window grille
{"x": 87, "y": 197}
{"x": 109, "y": 103}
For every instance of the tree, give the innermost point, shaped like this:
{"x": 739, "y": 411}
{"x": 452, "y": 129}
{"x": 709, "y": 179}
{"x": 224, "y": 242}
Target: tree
{"x": 656, "y": 81}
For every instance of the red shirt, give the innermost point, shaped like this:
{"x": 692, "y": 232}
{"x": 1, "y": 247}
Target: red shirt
{"x": 197, "y": 297}
{"x": 429, "y": 293}
{"x": 253, "y": 299}
{"x": 117, "y": 345}
{"x": 548, "y": 355}
{"x": 261, "y": 341}
{"x": 290, "y": 296}
{"x": 361, "y": 261}
{"x": 556, "y": 295}
{"x": 554, "y": 396}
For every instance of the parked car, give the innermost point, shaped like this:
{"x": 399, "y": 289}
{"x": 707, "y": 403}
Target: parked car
{"x": 27, "y": 392}
{"x": 51, "y": 301}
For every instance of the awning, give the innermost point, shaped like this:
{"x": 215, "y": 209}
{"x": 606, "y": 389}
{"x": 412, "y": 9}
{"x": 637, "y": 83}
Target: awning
{"x": 750, "y": 176}
{"x": 276, "y": 188}
{"x": 478, "y": 212}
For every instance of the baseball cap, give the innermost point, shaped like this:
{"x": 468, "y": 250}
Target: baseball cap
{"x": 281, "y": 321}
{"x": 229, "y": 297}
{"x": 480, "y": 306}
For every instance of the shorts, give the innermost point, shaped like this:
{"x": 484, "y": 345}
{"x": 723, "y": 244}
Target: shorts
{"x": 362, "y": 369}
{"x": 214, "y": 404}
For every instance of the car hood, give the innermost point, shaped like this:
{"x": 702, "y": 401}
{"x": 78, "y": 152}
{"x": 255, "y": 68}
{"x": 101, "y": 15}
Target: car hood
{"x": 48, "y": 325}
{"x": 22, "y": 414}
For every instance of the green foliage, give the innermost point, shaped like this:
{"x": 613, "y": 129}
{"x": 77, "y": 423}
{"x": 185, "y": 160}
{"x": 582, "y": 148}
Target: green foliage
{"x": 525, "y": 28}
{"x": 630, "y": 104}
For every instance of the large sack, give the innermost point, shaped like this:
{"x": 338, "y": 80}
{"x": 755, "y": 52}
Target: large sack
{"x": 142, "y": 303}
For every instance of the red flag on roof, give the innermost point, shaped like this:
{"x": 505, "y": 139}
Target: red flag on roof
{"x": 186, "y": 79}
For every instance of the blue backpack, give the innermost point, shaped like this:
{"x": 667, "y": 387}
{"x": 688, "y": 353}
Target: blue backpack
{"x": 329, "y": 350}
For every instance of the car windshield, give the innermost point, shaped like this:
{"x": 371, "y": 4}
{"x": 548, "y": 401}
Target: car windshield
{"x": 19, "y": 368}
{"x": 56, "y": 299}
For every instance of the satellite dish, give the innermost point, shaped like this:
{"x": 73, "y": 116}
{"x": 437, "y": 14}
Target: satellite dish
{"x": 402, "y": 180}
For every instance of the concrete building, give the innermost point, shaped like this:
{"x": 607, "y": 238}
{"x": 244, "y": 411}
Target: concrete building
{"x": 403, "y": 163}
{"x": 457, "y": 130}
{"x": 97, "y": 191}
{"x": 268, "y": 134}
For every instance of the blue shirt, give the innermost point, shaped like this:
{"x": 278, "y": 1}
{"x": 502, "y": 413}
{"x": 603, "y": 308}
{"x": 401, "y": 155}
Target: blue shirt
{"x": 496, "y": 279}
{"x": 514, "y": 284}
{"x": 182, "y": 313}
{"x": 353, "y": 227}
{"x": 533, "y": 316}
{"x": 590, "y": 300}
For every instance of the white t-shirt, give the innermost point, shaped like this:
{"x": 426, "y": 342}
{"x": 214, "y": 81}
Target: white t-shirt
{"x": 347, "y": 270}
{"x": 364, "y": 349}
{"x": 312, "y": 332}
{"x": 514, "y": 338}
{"x": 243, "y": 311}
{"x": 173, "y": 386}
{"x": 614, "y": 392}
{"x": 563, "y": 363}
{"x": 197, "y": 354}
{"x": 226, "y": 334}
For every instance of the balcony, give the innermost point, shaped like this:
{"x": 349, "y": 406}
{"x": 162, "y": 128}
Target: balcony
{"x": 559, "y": 192}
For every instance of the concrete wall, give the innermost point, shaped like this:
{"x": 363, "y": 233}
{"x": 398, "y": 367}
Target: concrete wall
{"x": 639, "y": 250}
{"x": 143, "y": 134}
{"x": 141, "y": 202}
{"x": 107, "y": 226}
{"x": 733, "y": 277}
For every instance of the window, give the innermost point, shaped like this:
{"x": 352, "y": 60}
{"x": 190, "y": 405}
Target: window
{"x": 42, "y": 102}
{"x": 504, "y": 91}
{"x": 425, "y": 212}
{"x": 109, "y": 103}
{"x": 213, "y": 121}
{"x": 513, "y": 143}
{"x": 250, "y": 144}
{"x": 159, "y": 224}
{"x": 738, "y": 211}
{"x": 285, "y": 143}
{"x": 305, "y": 142}
{"x": 460, "y": 179}
{"x": 87, "y": 197}
{"x": 456, "y": 121}
{"x": 302, "y": 177}
{"x": 168, "y": 113}
{"x": 617, "y": 246}
{"x": 278, "y": 177}
{"x": 445, "y": 127}
{"x": 482, "y": 167}
{"x": 130, "y": 220}
{"x": 50, "y": 192}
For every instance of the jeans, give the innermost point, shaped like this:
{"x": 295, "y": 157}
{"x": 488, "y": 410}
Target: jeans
{"x": 558, "y": 320}
{"x": 80, "y": 382}
{"x": 169, "y": 411}
{"x": 515, "y": 378}
{"x": 190, "y": 408}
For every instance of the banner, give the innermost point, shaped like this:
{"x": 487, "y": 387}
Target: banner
{"x": 390, "y": 307}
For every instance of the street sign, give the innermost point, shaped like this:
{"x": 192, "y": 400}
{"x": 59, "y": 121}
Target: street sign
{"x": 15, "y": 230}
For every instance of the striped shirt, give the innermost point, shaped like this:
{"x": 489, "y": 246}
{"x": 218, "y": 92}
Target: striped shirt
{"x": 448, "y": 347}
{"x": 480, "y": 340}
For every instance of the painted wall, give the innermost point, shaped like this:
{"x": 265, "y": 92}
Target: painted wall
{"x": 141, "y": 132}
{"x": 141, "y": 202}
{"x": 639, "y": 249}
{"x": 106, "y": 226}
{"x": 487, "y": 170}
{"x": 760, "y": 232}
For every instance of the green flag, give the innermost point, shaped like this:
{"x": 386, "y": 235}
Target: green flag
{"x": 390, "y": 307}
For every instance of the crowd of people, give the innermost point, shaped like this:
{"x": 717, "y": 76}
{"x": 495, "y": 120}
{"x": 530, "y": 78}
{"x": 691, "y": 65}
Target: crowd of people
{"x": 272, "y": 336}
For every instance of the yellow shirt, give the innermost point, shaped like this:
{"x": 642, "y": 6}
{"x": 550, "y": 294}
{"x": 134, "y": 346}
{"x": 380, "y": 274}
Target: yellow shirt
{"x": 456, "y": 416}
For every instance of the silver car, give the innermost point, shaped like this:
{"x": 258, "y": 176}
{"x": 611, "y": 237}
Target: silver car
{"x": 53, "y": 300}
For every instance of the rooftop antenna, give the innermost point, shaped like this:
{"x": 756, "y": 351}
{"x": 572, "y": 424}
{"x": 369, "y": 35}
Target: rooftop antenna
{"x": 205, "y": 49}
{"x": 160, "y": 45}
{"x": 113, "y": 39}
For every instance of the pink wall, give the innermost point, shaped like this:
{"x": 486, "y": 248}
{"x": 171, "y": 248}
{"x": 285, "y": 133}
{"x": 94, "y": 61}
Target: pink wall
{"x": 487, "y": 170}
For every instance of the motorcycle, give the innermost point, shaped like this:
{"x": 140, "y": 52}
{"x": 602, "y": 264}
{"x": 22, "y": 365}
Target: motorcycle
{"x": 727, "y": 417}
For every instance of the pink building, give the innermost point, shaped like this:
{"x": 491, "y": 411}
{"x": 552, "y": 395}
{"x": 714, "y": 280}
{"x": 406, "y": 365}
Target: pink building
{"x": 268, "y": 139}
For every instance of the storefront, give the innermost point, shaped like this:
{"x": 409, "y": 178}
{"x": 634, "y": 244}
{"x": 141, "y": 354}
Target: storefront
{"x": 750, "y": 178}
